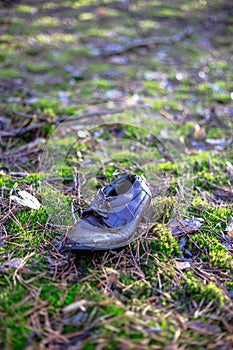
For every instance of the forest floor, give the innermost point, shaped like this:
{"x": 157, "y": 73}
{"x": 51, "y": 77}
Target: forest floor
{"x": 98, "y": 89}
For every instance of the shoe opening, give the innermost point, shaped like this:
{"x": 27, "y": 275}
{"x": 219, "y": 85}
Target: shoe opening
{"x": 120, "y": 186}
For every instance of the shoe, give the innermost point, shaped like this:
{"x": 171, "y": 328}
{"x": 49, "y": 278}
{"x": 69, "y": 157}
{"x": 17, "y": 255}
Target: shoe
{"x": 113, "y": 217}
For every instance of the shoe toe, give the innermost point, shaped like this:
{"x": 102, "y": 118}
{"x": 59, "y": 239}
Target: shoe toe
{"x": 83, "y": 236}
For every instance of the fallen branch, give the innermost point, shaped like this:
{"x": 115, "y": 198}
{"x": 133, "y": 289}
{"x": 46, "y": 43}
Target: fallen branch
{"x": 24, "y": 130}
{"x": 148, "y": 42}
{"x": 86, "y": 115}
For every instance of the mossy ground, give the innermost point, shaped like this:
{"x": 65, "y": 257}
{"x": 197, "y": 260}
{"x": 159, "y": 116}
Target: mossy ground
{"x": 53, "y": 63}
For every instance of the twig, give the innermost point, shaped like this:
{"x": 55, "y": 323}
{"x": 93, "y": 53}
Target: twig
{"x": 86, "y": 115}
{"x": 60, "y": 179}
{"x": 149, "y": 41}
{"x": 77, "y": 187}
{"x": 18, "y": 174}
{"x": 29, "y": 116}
{"x": 24, "y": 261}
{"x": 21, "y": 131}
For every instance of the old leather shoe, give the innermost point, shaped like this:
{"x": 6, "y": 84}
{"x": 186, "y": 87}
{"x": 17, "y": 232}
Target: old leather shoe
{"x": 113, "y": 217}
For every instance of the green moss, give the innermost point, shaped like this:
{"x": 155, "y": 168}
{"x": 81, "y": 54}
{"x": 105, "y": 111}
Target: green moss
{"x": 6, "y": 181}
{"x": 169, "y": 12}
{"x": 164, "y": 242}
{"x": 39, "y": 67}
{"x": 139, "y": 289}
{"x": 56, "y": 205}
{"x": 10, "y": 299}
{"x": 158, "y": 105}
{"x": 229, "y": 285}
{"x": 47, "y": 21}
{"x": 48, "y": 104}
{"x": 28, "y": 226}
{"x": 101, "y": 83}
{"x": 52, "y": 295}
{"x": 153, "y": 88}
{"x": 187, "y": 129}
{"x": 211, "y": 214}
{"x": 209, "y": 244}
{"x": 33, "y": 179}
{"x": 29, "y": 218}
{"x": 163, "y": 207}
{"x": 208, "y": 240}
{"x": 220, "y": 257}
{"x": 168, "y": 166}
{"x": 198, "y": 291}
{"x": 67, "y": 55}
{"x": 205, "y": 88}
{"x": 222, "y": 97}
{"x": 10, "y": 73}
{"x": 6, "y": 38}
{"x": 199, "y": 204}
{"x": 99, "y": 67}
{"x": 72, "y": 293}
{"x": 18, "y": 333}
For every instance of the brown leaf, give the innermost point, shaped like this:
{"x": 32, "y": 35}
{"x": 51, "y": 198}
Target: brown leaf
{"x": 179, "y": 227}
{"x": 199, "y": 133}
{"x": 181, "y": 265}
{"x": 222, "y": 193}
{"x": 203, "y": 327}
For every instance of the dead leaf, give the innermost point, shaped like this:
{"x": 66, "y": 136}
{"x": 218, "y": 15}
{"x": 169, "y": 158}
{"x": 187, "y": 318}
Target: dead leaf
{"x": 13, "y": 263}
{"x": 182, "y": 265}
{"x": 199, "y": 143}
{"x": 216, "y": 144}
{"x": 229, "y": 227}
{"x": 222, "y": 193}
{"x": 27, "y": 200}
{"x": 184, "y": 226}
{"x": 199, "y": 133}
{"x": 203, "y": 327}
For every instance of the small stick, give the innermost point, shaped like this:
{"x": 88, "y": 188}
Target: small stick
{"x": 29, "y": 116}
{"x": 77, "y": 188}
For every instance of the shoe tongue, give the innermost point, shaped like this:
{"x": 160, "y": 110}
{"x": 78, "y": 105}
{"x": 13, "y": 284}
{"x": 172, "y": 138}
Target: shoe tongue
{"x": 100, "y": 205}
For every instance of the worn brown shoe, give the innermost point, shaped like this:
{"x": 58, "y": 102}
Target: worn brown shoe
{"x": 113, "y": 217}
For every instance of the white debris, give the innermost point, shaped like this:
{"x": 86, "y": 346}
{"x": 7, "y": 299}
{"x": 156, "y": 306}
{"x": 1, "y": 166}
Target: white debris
{"x": 27, "y": 200}
{"x": 182, "y": 265}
